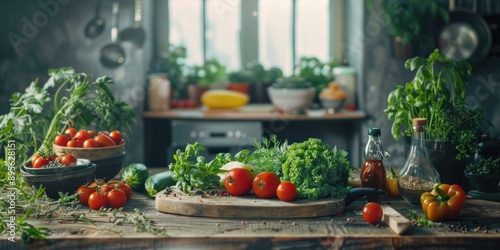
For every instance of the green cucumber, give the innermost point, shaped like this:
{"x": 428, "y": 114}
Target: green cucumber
{"x": 159, "y": 182}
{"x": 135, "y": 175}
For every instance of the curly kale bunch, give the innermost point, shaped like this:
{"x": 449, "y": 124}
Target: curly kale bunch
{"x": 317, "y": 170}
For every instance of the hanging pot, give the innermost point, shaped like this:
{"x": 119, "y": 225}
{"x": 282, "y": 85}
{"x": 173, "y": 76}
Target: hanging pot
{"x": 467, "y": 36}
{"x": 135, "y": 33}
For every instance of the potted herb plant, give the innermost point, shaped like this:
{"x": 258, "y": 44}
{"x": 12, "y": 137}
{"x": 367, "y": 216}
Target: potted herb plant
{"x": 240, "y": 81}
{"x": 172, "y": 63}
{"x": 200, "y": 78}
{"x": 409, "y": 24}
{"x": 484, "y": 174}
{"x": 314, "y": 71}
{"x": 437, "y": 92}
{"x": 262, "y": 79}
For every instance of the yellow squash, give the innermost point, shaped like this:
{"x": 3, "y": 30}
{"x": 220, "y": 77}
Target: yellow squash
{"x": 223, "y": 99}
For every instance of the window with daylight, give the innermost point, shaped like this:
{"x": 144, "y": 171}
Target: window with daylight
{"x": 274, "y": 32}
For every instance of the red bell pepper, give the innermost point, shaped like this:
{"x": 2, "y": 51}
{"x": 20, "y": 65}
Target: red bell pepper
{"x": 444, "y": 202}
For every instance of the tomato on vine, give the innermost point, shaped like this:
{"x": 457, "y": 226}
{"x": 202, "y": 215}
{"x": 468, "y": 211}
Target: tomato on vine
{"x": 97, "y": 200}
{"x": 116, "y": 198}
{"x": 84, "y": 193}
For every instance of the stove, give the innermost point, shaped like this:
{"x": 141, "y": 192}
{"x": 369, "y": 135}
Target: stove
{"x": 216, "y": 136}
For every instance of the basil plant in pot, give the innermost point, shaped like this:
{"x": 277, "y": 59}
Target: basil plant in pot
{"x": 437, "y": 92}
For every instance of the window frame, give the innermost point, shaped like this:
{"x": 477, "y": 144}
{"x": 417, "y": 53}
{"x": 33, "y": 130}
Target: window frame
{"x": 249, "y": 50}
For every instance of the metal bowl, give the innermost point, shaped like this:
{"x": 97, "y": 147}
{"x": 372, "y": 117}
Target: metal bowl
{"x": 66, "y": 182}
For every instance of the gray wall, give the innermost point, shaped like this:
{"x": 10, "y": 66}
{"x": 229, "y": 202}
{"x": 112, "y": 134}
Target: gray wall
{"x": 58, "y": 40}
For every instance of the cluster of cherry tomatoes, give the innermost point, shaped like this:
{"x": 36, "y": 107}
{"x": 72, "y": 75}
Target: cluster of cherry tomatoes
{"x": 41, "y": 161}
{"x": 183, "y": 103}
{"x": 99, "y": 194}
{"x": 240, "y": 181}
{"x": 88, "y": 138}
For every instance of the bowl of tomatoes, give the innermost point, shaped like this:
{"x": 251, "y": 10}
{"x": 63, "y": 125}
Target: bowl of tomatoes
{"x": 103, "y": 148}
{"x": 89, "y": 144}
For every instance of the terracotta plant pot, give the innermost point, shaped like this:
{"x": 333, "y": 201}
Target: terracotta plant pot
{"x": 195, "y": 92}
{"x": 240, "y": 87}
{"x": 402, "y": 51}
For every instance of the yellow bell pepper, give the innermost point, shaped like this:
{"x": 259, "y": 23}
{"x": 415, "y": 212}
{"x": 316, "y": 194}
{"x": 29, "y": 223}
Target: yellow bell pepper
{"x": 391, "y": 184}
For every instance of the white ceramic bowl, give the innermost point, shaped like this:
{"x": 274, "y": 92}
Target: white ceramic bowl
{"x": 291, "y": 100}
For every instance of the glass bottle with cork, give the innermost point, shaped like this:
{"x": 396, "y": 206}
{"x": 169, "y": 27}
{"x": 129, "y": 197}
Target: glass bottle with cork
{"x": 418, "y": 175}
{"x": 373, "y": 173}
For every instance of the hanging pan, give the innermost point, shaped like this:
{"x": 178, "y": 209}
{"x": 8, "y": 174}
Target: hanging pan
{"x": 466, "y": 36}
{"x": 112, "y": 55}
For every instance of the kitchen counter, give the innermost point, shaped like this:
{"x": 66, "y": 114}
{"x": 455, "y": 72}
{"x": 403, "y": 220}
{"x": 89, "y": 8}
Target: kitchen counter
{"x": 346, "y": 230}
{"x": 252, "y": 112}
{"x": 339, "y": 129}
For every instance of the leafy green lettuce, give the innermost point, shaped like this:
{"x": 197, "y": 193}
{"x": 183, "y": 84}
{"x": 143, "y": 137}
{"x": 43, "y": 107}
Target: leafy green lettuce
{"x": 317, "y": 170}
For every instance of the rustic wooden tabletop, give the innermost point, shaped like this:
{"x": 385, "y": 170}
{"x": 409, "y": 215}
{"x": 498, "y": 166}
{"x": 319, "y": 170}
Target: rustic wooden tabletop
{"x": 477, "y": 228}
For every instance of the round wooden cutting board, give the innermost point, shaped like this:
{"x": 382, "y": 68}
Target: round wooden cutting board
{"x": 248, "y": 206}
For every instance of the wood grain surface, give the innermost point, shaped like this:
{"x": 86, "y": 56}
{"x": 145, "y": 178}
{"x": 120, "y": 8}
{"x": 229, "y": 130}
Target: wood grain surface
{"x": 248, "y": 206}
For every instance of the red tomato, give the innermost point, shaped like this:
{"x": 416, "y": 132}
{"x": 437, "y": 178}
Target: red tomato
{"x": 117, "y": 198}
{"x": 286, "y": 191}
{"x": 122, "y": 186}
{"x": 61, "y": 140}
{"x": 97, "y": 200}
{"x": 82, "y": 135}
{"x": 74, "y": 144}
{"x": 84, "y": 193}
{"x": 96, "y": 184}
{"x": 116, "y": 136}
{"x": 92, "y": 133}
{"x": 372, "y": 213}
{"x": 41, "y": 162}
{"x": 264, "y": 185}
{"x": 105, "y": 189}
{"x": 36, "y": 156}
{"x": 71, "y": 132}
{"x": 238, "y": 181}
{"x": 104, "y": 140}
{"x": 68, "y": 160}
{"x": 90, "y": 143}
{"x": 103, "y": 132}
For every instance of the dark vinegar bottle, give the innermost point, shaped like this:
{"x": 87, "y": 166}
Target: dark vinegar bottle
{"x": 373, "y": 173}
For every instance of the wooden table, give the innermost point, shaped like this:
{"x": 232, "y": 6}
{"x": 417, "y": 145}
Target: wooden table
{"x": 346, "y": 230}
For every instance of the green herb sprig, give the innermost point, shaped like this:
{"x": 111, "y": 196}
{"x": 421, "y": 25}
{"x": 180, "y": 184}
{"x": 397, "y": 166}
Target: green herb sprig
{"x": 192, "y": 171}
